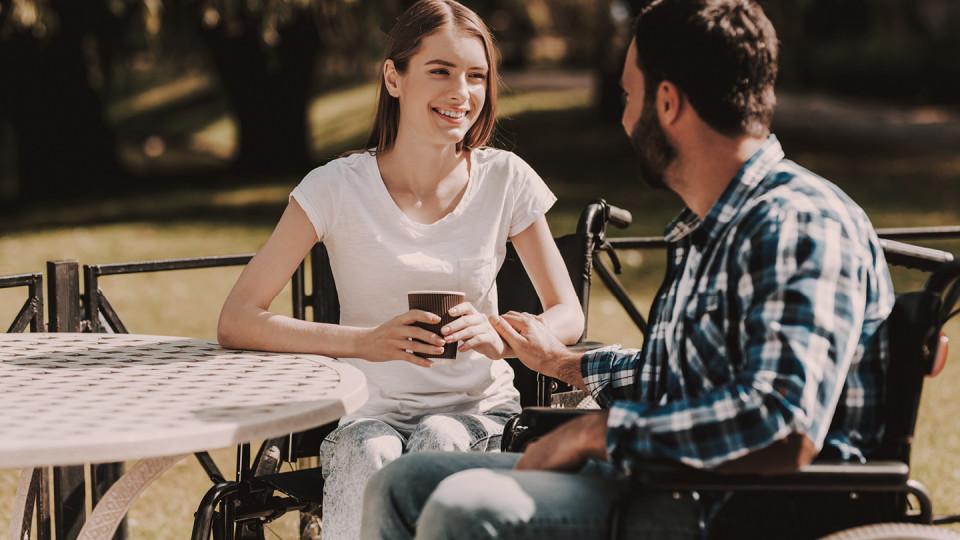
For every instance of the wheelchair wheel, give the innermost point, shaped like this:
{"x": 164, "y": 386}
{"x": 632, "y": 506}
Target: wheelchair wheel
{"x": 894, "y": 531}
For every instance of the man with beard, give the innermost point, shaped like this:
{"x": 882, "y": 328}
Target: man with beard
{"x": 766, "y": 345}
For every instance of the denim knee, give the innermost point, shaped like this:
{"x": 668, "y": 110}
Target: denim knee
{"x": 476, "y": 503}
{"x": 394, "y": 496}
{"x": 457, "y": 433}
{"x": 378, "y": 494}
{"x": 359, "y": 446}
{"x": 404, "y": 476}
{"x": 440, "y": 433}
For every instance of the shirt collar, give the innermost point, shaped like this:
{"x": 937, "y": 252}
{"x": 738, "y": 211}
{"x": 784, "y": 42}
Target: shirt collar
{"x": 734, "y": 196}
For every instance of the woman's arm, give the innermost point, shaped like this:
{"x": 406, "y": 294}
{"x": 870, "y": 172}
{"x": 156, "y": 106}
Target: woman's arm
{"x": 246, "y": 322}
{"x": 542, "y": 261}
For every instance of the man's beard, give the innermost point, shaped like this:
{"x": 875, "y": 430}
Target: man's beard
{"x": 654, "y": 151}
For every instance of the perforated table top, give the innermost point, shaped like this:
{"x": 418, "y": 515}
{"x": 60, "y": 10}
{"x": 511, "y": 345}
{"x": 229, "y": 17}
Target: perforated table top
{"x": 93, "y": 398}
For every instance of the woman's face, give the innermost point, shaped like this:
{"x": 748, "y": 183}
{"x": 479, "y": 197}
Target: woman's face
{"x": 444, "y": 87}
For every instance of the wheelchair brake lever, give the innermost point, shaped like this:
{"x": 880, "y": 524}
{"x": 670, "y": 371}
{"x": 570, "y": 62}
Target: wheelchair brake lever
{"x": 614, "y": 259}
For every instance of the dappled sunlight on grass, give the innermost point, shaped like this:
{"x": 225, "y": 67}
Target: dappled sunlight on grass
{"x": 182, "y": 303}
{"x": 542, "y": 100}
{"x": 218, "y": 138}
{"x": 177, "y": 205}
{"x": 341, "y": 120}
{"x": 178, "y": 89}
{"x": 251, "y": 195}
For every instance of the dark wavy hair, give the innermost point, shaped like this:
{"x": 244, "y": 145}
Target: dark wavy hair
{"x": 417, "y": 22}
{"x": 722, "y": 54}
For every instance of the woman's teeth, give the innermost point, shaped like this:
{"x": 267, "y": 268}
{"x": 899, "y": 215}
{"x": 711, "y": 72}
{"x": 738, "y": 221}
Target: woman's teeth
{"x": 452, "y": 114}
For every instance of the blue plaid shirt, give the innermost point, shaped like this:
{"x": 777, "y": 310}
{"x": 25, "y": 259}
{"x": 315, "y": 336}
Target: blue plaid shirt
{"x": 769, "y": 322}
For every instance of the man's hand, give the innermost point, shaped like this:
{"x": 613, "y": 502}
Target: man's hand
{"x": 536, "y": 346}
{"x": 568, "y": 447}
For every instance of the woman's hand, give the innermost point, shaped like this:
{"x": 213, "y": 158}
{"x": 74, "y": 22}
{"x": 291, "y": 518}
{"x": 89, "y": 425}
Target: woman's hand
{"x": 398, "y": 339}
{"x": 473, "y": 328}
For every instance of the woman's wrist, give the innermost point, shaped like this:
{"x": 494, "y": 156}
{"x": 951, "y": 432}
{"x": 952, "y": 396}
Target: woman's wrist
{"x": 357, "y": 338}
{"x": 564, "y": 321}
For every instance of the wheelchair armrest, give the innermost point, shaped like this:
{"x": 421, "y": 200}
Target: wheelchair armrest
{"x": 546, "y": 419}
{"x": 818, "y": 476}
{"x": 916, "y": 257}
{"x": 535, "y": 422}
{"x": 583, "y": 347}
{"x": 586, "y": 346}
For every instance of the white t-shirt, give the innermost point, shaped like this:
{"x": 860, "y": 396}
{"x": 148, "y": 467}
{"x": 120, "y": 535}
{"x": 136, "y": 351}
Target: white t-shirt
{"x": 377, "y": 254}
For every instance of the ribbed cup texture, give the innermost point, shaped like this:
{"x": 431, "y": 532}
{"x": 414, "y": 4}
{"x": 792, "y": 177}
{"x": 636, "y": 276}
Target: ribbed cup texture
{"x": 440, "y": 304}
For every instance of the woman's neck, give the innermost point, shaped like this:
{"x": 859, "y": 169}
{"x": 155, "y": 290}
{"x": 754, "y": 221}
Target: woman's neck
{"x": 425, "y": 181}
{"x": 418, "y": 167}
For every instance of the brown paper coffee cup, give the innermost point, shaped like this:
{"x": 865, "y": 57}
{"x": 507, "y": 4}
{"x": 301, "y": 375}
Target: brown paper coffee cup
{"x": 438, "y": 303}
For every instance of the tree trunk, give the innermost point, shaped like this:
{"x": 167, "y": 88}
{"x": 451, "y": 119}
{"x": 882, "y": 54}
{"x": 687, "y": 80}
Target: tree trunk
{"x": 64, "y": 145}
{"x": 268, "y": 89}
{"x": 610, "y": 57}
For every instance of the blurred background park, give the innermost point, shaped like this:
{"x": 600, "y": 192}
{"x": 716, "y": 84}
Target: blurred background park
{"x": 148, "y": 129}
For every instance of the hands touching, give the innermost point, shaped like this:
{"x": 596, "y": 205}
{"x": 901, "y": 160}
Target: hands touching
{"x": 521, "y": 334}
{"x": 535, "y": 345}
{"x": 475, "y": 331}
{"x": 567, "y": 447}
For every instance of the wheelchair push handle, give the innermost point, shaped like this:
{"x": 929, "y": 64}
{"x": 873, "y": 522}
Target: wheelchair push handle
{"x": 914, "y": 257}
{"x": 618, "y": 216}
{"x": 596, "y": 216}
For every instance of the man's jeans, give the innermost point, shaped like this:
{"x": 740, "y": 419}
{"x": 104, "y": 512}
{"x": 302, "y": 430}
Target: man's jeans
{"x": 473, "y": 496}
{"x": 353, "y": 452}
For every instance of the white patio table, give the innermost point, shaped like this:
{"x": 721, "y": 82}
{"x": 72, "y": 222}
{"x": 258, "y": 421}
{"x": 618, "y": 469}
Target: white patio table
{"x": 71, "y": 399}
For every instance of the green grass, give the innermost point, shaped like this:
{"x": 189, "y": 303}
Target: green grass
{"x": 555, "y": 131}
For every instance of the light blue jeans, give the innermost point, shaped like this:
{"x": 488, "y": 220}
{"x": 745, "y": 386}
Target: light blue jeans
{"x": 476, "y": 496}
{"x": 353, "y": 452}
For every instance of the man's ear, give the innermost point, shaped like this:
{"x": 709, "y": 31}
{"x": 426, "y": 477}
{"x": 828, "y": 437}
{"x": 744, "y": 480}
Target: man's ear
{"x": 391, "y": 78}
{"x": 670, "y": 102}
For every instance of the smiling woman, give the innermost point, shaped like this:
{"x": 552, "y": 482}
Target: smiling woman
{"x": 442, "y": 90}
{"x": 443, "y": 42}
{"x": 431, "y": 207}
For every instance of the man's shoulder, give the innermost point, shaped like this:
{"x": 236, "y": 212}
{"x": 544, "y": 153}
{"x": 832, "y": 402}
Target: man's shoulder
{"x": 791, "y": 191}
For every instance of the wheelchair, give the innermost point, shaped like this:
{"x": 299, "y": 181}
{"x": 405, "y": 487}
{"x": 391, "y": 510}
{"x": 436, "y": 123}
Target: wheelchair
{"x": 876, "y": 499}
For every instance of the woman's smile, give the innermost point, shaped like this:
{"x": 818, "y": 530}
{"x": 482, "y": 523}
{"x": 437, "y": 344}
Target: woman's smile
{"x": 455, "y": 117}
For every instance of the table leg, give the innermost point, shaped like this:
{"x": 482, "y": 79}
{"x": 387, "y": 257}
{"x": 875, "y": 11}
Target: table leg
{"x": 21, "y": 516}
{"x": 108, "y": 513}
{"x": 69, "y": 500}
{"x": 102, "y": 476}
